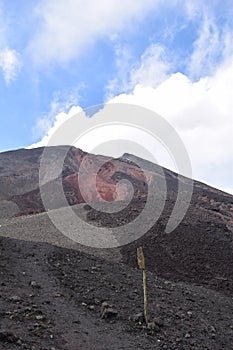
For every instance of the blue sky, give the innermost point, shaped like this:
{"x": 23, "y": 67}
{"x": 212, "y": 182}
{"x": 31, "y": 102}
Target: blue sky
{"x": 55, "y": 54}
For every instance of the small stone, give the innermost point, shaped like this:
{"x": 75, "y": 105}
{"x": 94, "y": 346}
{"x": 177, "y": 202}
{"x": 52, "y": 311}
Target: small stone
{"x": 15, "y": 298}
{"x": 213, "y": 330}
{"x": 187, "y": 335}
{"x": 152, "y": 326}
{"x": 138, "y": 318}
{"x": 109, "y": 313}
{"x": 34, "y": 284}
{"x": 94, "y": 268}
{"x": 91, "y": 307}
{"x": 28, "y": 308}
{"x": 40, "y": 317}
{"x": 104, "y": 306}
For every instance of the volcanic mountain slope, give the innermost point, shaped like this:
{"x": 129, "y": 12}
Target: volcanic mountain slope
{"x": 199, "y": 250}
{"x": 19, "y": 179}
{"x": 52, "y": 288}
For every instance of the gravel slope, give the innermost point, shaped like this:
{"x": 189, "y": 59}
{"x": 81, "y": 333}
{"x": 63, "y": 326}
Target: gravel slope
{"x": 51, "y": 299}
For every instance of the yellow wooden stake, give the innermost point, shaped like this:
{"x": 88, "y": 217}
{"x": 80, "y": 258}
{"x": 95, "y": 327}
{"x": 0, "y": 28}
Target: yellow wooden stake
{"x": 141, "y": 264}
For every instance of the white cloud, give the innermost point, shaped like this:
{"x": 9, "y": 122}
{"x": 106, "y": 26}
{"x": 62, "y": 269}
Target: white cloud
{"x": 62, "y": 102}
{"x": 10, "y": 64}
{"x": 151, "y": 70}
{"x": 65, "y": 27}
{"x": 121, "y": 81}
{"x": 205, "y": 49}
{"x": 213, "y": 45}
{"x": 153, "y": 67}
{"x": 202, "y": 114}
{"x": 60, "y": 118}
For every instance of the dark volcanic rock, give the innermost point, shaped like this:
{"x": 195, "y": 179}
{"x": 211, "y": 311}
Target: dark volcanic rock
{"x": 182, "y": 316}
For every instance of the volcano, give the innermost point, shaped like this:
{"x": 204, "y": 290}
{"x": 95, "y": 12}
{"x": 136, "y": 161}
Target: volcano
{"x": 52, "y": 287}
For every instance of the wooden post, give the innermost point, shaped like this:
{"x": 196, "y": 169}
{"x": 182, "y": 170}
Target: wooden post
{"x": 141, "y": 264}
